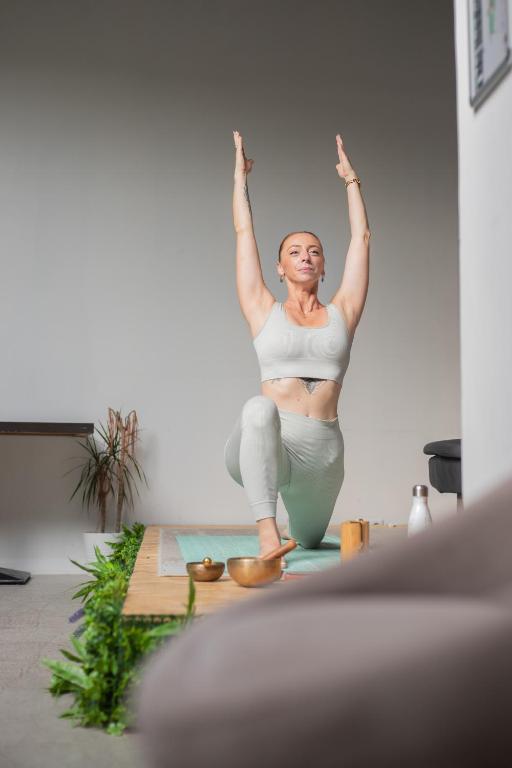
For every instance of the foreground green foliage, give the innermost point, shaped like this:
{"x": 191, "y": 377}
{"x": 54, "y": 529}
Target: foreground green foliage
{"x": 107, "y": 648}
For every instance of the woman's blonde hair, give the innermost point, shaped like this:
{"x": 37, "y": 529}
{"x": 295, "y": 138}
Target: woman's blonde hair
{"x": 296, "y": 232}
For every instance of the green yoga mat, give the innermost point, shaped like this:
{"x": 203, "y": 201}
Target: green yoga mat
{"x": 220, "y": 547}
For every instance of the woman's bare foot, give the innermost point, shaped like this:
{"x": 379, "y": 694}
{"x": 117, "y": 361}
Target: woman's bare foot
{"x": 269, "y": 537}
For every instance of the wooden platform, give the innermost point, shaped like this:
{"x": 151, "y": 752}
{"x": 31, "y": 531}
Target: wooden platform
{"x": 150, "y": 594}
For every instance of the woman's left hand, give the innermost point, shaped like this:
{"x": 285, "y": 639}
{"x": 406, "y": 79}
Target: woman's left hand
{"x": 344, "y": 167}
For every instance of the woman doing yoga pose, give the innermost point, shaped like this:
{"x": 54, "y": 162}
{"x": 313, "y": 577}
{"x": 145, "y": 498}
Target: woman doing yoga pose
{"x": 288, "y": 438}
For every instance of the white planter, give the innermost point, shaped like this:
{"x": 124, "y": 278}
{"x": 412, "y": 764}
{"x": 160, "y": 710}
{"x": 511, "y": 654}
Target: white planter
{"x": 100, "y": 540}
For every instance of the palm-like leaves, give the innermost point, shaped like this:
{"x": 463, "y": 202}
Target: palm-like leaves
{"x": 110, "y": 466}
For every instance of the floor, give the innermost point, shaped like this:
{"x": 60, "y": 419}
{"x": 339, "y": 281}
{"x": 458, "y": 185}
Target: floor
{"x": 33, "y": 624}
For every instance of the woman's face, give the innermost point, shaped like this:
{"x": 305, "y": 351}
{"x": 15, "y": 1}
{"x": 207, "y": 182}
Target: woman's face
{"x": 302, "y": 258}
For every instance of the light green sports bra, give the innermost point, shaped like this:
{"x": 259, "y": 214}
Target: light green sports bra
{"x": 285, "y": 349}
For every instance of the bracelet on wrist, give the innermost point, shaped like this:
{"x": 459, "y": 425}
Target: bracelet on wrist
{"x": 351, "y": 180}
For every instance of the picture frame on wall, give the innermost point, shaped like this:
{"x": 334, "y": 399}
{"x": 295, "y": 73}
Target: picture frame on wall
{"x": 489, "y": 51}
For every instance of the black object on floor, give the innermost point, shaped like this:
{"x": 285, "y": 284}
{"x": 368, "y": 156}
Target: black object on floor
{"x": 11, "y": 576}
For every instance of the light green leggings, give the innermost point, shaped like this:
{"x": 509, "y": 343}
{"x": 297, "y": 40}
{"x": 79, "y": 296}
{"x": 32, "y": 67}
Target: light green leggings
{"x": 271, "y": 450}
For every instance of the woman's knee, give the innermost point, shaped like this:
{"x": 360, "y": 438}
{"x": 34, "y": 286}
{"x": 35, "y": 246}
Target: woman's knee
{"x": 260, "y": 411}
{"x": 306, "y": 531}
{"x": 310, "y": 541}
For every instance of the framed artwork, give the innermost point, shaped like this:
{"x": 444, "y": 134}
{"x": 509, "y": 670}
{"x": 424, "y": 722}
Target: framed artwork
{"x": 489, "y": 52}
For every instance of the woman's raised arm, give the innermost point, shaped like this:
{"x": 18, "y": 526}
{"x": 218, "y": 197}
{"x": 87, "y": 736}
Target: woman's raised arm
{"x": 249, "y": 278}
{"x": 351, "y": 295}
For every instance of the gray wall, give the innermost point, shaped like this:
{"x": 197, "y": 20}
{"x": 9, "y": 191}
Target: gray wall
{"x": 485, "y": 234}
{"x": 118, "y": 250}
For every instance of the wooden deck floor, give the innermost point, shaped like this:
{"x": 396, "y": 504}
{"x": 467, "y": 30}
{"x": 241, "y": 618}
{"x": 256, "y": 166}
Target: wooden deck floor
{"x": 150, "y": 594}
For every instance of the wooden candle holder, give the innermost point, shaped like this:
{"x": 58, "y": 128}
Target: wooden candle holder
{"x": 354, "y": 538}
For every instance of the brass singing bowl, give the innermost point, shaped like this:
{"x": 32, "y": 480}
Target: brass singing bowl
{"x": 206, "y": 569}
{"x": 254, "y": 572}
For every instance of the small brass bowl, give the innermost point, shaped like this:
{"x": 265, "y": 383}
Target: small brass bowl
{"x": 206, "y": 569}
{"x": 253, "y": 572}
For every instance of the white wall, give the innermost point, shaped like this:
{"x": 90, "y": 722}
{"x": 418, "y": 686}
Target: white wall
{"x": 485, "y": 235}
{"x": 118, "y": 250}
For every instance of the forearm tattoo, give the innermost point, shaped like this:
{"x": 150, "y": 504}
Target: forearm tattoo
{"x": 246, "y": 195}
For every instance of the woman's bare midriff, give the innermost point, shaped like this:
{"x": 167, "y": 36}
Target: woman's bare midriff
{"x": 317, "y": 398}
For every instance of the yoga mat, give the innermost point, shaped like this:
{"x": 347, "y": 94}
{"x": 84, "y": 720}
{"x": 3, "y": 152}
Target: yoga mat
{"x": 197, "y": 546}
{"x": 170, "y": 559}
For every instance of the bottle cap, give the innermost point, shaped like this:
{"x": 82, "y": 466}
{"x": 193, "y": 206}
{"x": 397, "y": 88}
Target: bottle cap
{"x": 420, "y": 490}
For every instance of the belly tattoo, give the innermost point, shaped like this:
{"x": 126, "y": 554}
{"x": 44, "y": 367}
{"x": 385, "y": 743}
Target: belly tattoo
{"x": 310, "y": 384}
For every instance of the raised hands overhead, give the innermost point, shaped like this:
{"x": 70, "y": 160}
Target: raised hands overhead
{"x": 242, "y": 164}
{"x": 344, "y": 166}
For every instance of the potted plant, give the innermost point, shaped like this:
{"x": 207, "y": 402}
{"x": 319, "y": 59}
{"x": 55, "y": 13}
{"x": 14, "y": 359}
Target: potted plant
{"x": 107, "y": 476}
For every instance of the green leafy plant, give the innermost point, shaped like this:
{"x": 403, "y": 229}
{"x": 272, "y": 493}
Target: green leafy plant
{"x": 104, "y": 660}
{"x": 110, "y": 468}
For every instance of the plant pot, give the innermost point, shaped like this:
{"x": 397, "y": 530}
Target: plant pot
{"x": 100, "y": 540}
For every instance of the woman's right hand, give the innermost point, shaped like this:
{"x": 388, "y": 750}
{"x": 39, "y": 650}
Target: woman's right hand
{"x": 242, "y": 164}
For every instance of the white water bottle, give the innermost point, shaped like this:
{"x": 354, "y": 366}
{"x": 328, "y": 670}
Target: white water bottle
{"x": 419, "y": 517}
